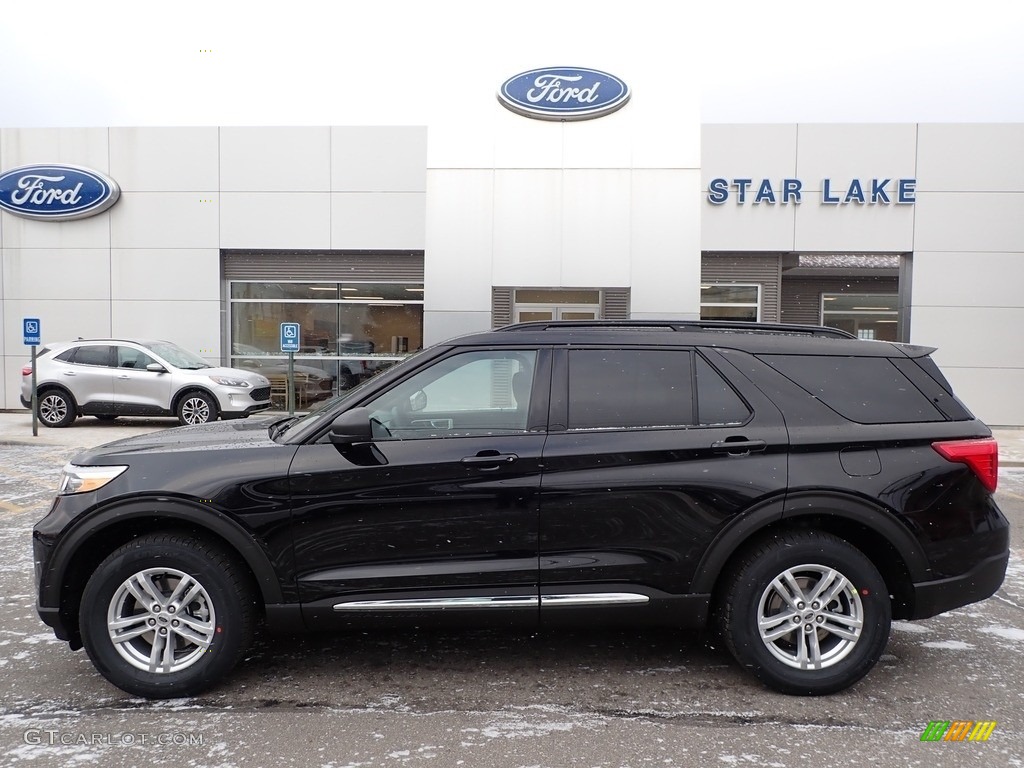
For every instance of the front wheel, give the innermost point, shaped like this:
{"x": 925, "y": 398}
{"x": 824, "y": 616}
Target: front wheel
{"x": 196, "y": 408}
{"x": 166, "y": 616}
{"x": 807, "y": 613}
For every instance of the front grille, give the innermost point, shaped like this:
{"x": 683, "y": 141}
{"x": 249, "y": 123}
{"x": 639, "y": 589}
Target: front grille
{"x": 260, "y": 394}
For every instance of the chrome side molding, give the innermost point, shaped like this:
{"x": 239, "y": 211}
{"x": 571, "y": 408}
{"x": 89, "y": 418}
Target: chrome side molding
{"x": 498, "y": 601}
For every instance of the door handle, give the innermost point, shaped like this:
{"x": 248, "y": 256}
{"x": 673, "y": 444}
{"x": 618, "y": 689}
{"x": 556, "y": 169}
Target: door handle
{"x": 488, "y": 462}
{"x": 738, "y": 446}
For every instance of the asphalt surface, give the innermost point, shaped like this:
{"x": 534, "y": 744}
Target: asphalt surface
{"x": 489, "y": 698}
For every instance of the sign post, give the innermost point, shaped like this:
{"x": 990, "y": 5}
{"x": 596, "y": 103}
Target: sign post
{"x": 290, "y": 335}
{"x": 33, "y": 335}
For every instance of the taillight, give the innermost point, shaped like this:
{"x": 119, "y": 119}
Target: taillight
{"x": 981, "y": 455}
{"x": 26, "y": 370}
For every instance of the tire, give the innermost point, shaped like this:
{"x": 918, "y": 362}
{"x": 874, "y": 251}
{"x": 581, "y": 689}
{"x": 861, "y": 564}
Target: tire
{"x": 196, "y": 408}
{"x": 206, "y": 645}
{"x": 847, "y": 632}
{"x": 56, "y": 408}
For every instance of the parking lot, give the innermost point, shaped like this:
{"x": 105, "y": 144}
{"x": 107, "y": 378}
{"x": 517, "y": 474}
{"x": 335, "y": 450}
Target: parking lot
{"x": 555, "y": 698}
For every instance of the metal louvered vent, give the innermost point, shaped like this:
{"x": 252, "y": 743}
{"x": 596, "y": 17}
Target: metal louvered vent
{"x": 331, "y": 266}
{"x": 616, "y": 304}
{"x": 501, "y": 306}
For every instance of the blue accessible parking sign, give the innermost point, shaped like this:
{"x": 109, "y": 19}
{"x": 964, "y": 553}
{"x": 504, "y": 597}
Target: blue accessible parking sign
{"x": 289, "y": 337}
{"x": 33, "y": 331}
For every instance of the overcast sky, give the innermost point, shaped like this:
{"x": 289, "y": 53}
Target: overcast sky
{"x": 338, "y": 62}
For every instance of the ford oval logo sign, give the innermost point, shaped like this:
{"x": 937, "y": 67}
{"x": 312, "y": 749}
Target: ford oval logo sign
{"x": 57, "y": 192}
{"x": 563, "y": 93}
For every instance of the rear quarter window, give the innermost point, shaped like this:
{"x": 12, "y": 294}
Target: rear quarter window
{"x": 866, "y": 390}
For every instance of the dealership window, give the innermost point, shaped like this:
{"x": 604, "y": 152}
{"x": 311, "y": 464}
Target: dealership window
{"x": 865, "y": 315}
{"x": 349, "y": 330}
{"x": 730, "y": 301}
{"x": 516, "y": 304}
{"x": 564, "y": 304}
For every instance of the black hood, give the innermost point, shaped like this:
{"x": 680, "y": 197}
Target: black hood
{"x": 221, "y": 435}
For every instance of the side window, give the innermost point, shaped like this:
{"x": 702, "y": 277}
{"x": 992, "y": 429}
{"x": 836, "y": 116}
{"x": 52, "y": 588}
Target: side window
{"x": 67, "y": 356}
{"x": 129, "y": 357}
{"x": 717, "y": 401}
{"x": 473, "y": 393}
{"x": 629, "y": 388}
{"x": 866, "y": 390}
{"x": 93, "y": 355}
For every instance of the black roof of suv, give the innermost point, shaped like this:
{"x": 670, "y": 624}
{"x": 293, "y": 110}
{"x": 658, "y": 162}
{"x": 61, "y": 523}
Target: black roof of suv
{"x": 791, "y": 486}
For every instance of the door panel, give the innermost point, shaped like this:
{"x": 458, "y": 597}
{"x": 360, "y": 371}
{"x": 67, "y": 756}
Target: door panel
{"x": 434, "y": 515}
{"x": 137, "y": 390}
{"x": 439, "y": 513}
{"x": 638, "y": 506}
{"x": 90, "y": 378}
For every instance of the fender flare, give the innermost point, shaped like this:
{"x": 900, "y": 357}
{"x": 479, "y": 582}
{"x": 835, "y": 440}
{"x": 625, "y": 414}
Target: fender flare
{"x": 171, "y": 511}
{"x": 808, "y": 503}
{"x": 177, "y": 396}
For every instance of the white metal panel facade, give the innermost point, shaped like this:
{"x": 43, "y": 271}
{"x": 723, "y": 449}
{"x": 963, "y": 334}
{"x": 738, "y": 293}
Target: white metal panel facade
{"x": 619, "y": 201}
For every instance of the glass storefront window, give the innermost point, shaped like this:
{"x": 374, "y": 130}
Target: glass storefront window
{"x": 545, "y": 304}
{"x": 349, "y": 331}
{"x": 865, "y": 315}
{"x": 730, "y": 301}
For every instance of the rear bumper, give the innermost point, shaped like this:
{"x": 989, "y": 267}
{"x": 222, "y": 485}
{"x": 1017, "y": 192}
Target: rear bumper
{"x": 982, "y": 581}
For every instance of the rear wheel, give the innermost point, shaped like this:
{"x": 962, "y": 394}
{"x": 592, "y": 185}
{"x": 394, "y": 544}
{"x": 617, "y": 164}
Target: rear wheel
{"x": 197, "y": 408}
{"x": 807, "y": 613}
{"x": 166, "y": 616}
{"x": 56, "y": 408}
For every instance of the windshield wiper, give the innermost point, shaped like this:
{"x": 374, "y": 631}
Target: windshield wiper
{"x": 281, "y": 426}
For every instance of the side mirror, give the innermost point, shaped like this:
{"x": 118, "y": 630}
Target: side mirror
{"x": 156, "y": 368}
{"x": 351, "y": 427}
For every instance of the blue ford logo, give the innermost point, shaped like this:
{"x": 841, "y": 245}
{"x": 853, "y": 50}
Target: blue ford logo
{"x": 57, "y": 192}
{"x": 563, "y": 93}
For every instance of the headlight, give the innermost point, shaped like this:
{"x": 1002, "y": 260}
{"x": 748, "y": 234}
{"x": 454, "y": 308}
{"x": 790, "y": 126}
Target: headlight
{"x": 230, "y": 382}
{"x": 74, "y": 479}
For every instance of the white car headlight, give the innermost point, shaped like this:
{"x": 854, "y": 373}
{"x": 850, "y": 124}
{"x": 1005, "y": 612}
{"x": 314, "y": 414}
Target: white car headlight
{"x": 75, "y": 479}
{"x": 229, "y": 382}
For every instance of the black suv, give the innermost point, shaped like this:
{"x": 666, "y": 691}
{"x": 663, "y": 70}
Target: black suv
{"x": 793, "y": 488}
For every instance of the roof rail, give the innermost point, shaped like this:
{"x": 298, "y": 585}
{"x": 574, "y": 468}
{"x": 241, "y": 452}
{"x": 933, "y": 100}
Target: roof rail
{"x": 718, "y": 326}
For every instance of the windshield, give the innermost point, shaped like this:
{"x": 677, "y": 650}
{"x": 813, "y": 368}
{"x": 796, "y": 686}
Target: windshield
{"x": 178, "y": 357}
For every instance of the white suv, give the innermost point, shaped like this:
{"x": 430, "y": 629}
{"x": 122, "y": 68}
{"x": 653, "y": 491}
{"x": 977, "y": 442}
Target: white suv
{"x": 108, "y": 378}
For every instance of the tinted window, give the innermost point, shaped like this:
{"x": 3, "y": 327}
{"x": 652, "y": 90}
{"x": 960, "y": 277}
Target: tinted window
{"x": 629, "y": 388}
{"x": 717, "y": 402}
{"x": 868, "y": 390}
{"x": 67, "y": 356}
{"x": 98, "y": 355}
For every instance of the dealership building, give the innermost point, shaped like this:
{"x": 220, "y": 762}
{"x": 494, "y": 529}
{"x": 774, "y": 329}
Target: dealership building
{"x": 380, "y": 239}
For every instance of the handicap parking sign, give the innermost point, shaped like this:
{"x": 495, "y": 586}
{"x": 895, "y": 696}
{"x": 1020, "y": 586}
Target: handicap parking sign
{"x": 33, "y": 332}
{"x": 289, "y": 337}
